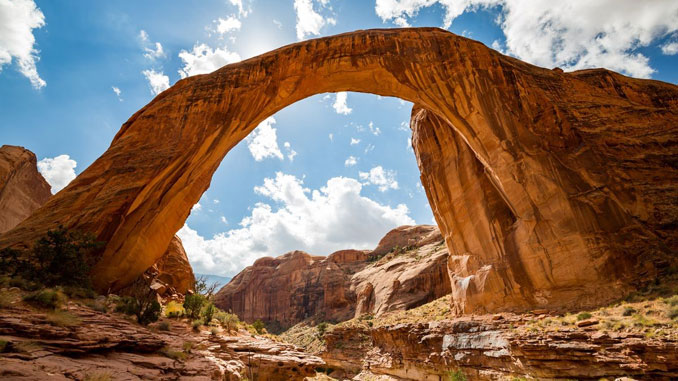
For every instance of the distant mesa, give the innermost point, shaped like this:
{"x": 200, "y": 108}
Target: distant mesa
{"x": 407, "y": 269}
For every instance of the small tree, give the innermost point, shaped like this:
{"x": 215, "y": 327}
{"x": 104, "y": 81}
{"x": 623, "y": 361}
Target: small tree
{"x": 193, "y": 305}
{"x": 141, "y": 302}
{"x": 202, "y": 288}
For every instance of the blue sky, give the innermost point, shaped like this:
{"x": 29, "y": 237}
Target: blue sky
{"x": 327, "y": 173}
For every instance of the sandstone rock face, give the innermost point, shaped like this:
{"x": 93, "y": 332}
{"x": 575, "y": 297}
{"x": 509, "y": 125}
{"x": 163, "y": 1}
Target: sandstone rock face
{"x": 487, "y": 349}
{"x": 575, "y": 203}
{"x": 174, "y": 269}
{"x": 22, "y": 187}
{"x": 407, "y": 269}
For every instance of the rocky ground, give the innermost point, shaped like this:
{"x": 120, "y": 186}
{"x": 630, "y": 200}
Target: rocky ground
{"x": 636, "y": 339}
{"x": 81, "y": 342}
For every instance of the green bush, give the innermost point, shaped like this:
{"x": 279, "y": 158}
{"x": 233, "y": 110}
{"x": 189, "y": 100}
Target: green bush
{"x": 174, "y": 310}
{"x": 46, "y": 298}
{"x": 259, "y": 326}
{"x": 141, "y": 302}
{"x": 584, "y": 316}
{"x": 228, "y": 321}
{"x": 193, "y": 305}
{"x": 208, "y": 313}
{"x": 196, "y": 325}
{"x": 322, "y": 327}
{"x": 672, "y": 301}
{"x": 456, "y": 375}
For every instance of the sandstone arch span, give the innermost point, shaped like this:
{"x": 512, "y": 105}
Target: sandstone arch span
{"x": 528, "y": 170}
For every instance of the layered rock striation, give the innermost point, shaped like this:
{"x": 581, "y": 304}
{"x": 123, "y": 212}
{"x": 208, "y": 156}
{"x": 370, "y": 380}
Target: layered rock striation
{"x": 551, "y": 189}
{"x": 22, "y": 187}
{"x": 407, "y": 269}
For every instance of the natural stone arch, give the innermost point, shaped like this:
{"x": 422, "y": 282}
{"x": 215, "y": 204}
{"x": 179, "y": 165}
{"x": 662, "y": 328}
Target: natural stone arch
{"x": 539, "y": 139}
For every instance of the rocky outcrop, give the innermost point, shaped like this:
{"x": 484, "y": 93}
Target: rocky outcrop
{"x": 22, "y": 187}
{"x": 173, "y": 268}
{"x": 407, "y": 269}
{"x": 570, "y": 200}
{"x": 293, "y": 287}
{"x": 492, "y": 348}
{"x": 35, "y": 345}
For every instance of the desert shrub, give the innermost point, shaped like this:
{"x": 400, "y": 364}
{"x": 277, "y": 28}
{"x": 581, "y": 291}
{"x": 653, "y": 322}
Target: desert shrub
{"x": 203, "y": 288}
{"x": 174, "y": 355}
{"x": 79, "y": 292}
{"x": 187, "y": 346}
{"x": 259, "y": 326}
{"x": 628, "y": 311}
{"x": 456, "y": 375}
{"x": 141, "y": 303}
{"x": 208, "y": 313}
{"x": 196, "y": 325}
{"x": 228, "y": 321}
{"x": 164, "y": 326}
{"x": 672, "y": 301}
{"x": 214, "y": 331}
{"x": 193, "y": 305}
{"x": 174, "y": 310}
{"x": 322, "y": 327}
{"x": 584, "y": 316}
{"x": 63, "y": 319}
{"x": 673, "y": 313}
{"x": 46, "y": 298}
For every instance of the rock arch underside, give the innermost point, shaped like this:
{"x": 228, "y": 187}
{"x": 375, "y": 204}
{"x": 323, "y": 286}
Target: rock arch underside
{"x": 552, "y": 189}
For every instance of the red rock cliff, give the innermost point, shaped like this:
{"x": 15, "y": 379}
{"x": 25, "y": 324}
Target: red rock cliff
{"x": 407, "y": 269}
{"x": 22, "y": 187}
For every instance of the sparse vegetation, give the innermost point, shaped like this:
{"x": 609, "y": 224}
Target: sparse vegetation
{"x": 196, "y": 325}
{"x": 193, "y": 304}
{"x": 628, "y": 311}
{"x": 228, "y": 321}
{"x": 259, "y": 326}
{"x": 61, "y": 257}
{"x": 141, "y": 303}
{"x": 208, "y": 313}
{"x": 583, "y": 316}
{"x": 62, "y": 319}
{"x": 174, "y": 310}
{"x": 47, "y": 298}
{"x": 174, "y": 354}
{"x": 456, "y": 375}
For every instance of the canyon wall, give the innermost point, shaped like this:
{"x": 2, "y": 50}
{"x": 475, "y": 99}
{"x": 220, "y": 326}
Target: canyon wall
{"x": 578, "y": 169}
{"x": 22, "y": 187}
{"x": 406, "y": 270}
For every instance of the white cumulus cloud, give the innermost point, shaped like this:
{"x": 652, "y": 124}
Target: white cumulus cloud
{"x": 58, "y": 171}
{"x": 340, "y": 105}
{"x": 670, "y": 48}
{"x": 569, "y": 34}
{"x": 117, "y": 92}
{"x": 229, "y": 24}
{"x": 310, "y": 22}
{"x": 152, "y": 50}
{"x": 351, "y": 161}
{"x": 384, "y": 179}
{"x": 18, "y": 18}
{"x": 354, "y": 141}
{"x": 290, "y": 152}
{"x": 157, "y": 81}
{"x": 203, "y": 59}
{"x": 318, "y": 221}
{"x": 263, "y": 141}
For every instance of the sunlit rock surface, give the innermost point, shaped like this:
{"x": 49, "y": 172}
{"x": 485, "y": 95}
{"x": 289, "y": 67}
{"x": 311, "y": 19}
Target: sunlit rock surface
{"x": 22, "y": 187}
{"x": 407, "y": 269}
